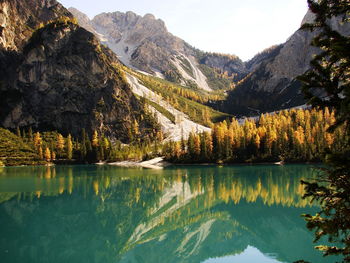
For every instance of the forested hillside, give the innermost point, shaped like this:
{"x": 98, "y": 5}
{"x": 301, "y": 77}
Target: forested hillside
{"x": 291, "y": 136}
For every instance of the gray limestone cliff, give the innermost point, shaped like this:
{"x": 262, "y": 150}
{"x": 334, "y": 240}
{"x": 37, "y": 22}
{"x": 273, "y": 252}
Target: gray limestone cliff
{"x": 271, "y": 84}
{"x": 60, "y": 77}
{"x": 141, "y": 42}
{"x": 144, "y": 43}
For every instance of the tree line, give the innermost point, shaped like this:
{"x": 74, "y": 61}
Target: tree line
{"x": 289, "y": 135}
{"x": 54, "y": 147}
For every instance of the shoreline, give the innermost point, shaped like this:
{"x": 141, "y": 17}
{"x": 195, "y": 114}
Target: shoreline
{"x": 159, "y": 163}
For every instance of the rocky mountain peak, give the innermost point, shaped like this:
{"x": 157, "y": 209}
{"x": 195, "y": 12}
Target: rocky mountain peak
{"x": 19, "y": 18}
{"x": 308, "y": 18}
{"x": 83, "y": 20}
{"x": 271, "y": 84}
{"x": 55, "y": 75}
{"x": 149, "y": 17}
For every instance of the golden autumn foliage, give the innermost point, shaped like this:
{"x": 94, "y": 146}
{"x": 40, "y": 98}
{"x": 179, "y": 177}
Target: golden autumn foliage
{"x": 288, "y": 135}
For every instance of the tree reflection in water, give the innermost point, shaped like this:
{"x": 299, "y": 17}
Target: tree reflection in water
{"x": 180, "y": 214}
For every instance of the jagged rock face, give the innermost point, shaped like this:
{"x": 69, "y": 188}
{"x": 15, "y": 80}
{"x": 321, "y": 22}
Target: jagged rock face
{"x": 271, "y": 84}
{"x": 19, "y": 18}
{"x": 142, "y": 42}
{"x": 67, "y": 83}
{"x": 145, "y": 44}
{"x": 65, "y": 80}
{"x": 263, "y": 56}
{"x": 18, "y": 21}
{"x": 83, "y": 20}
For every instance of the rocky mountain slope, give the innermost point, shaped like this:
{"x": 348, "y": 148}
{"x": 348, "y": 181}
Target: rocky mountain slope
{"x": 265, "y": 83}
{"x": 145, "y": 44}
{"x": 173, "y": 131}
{"x": 229, "y": 64}
{"x": 271, "y": 84}
{"x": 60, "y": 77}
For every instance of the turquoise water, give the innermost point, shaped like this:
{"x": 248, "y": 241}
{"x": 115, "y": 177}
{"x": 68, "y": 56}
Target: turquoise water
{"x": 236, "y": 214}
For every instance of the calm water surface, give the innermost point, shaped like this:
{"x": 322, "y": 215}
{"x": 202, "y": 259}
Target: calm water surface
{"x": 236, "y": 214}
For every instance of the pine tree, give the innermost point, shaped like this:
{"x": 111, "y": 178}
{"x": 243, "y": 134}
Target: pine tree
{"x": 197, "y": 146}
{"x": 30, "y": 133}
{"x": 330, "y": 77}
{"x": 191, "y": 146}
{"x": 94, "y": 141}
{"x": 40, "y": 152}
{"x": 37, "y": 140}
{"x": 69, "y": 147}
{"x": 100, "y": 151}
{"x": 53, "y": 155}
{"x": 83, "y": 150}
{"x": 18, "y": 132}
{"x": 47, "y": 154}
{"x": 24, "y": 135}
{"x": 60, "y": 144}
{"x": 38, "y": 144}
{"x": 330, "y": 73}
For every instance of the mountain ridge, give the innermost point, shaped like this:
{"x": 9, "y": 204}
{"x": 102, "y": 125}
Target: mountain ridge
{"x": 271, "y": 85}
{"x": 144, "y": 43}
{"x": 61, "y": 77}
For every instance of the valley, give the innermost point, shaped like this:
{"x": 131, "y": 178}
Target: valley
{"x": 122, "y": 142}
{"x": 126, "y": 78}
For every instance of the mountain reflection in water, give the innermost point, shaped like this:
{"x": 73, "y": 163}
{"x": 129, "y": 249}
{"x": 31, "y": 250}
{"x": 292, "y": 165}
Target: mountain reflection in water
{"x": 180, "y": 214}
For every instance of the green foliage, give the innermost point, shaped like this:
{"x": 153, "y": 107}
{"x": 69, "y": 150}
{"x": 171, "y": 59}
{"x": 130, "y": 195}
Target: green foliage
{"x": 215, "y": 78}
{"x": 173, "y": 75}
{"x": 330, "y": 72}
{"x": 327, "y": 84}
{"x": 14, "y": 151}
{"x": 184, "y": 99}
{"x": 44, "y": 147}
{"x": 162, "y": 110}
{"x": 186, "y": 65}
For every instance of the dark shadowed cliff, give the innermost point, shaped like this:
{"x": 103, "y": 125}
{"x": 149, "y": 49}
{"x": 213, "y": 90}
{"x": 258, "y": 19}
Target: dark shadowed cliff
{"x": 56, "y": 76}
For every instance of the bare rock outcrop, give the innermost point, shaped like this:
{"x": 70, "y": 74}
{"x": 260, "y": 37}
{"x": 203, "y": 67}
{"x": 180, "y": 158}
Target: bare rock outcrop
{"x": 62, "y": 78}
{"x": 271, "y": 84}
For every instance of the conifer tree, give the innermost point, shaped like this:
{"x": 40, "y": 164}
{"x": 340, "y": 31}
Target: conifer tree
{"x": 40, "y": 152}
{"x": 24, "y": 135}
{"x": 38, "y": 144}
{"x": 94, "y": 141}
{"x": 60, "y": 144}
{"x": 18, "y": 132}
{"x": 47, "y": 154}
{"x": 330, "y": 77}
{"x": 37, "y": 139}
{"x": 53, "y": 155}
{"x": 30, "y": 133}
{"x": 69, "y": 147}
{"x": 83, "y": 151}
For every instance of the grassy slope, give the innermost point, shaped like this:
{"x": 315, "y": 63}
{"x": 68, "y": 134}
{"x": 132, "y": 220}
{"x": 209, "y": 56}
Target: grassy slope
{"x": 162, "y": 110}
{"x": 169, "y": 91}
{"x": 14, "y": 151}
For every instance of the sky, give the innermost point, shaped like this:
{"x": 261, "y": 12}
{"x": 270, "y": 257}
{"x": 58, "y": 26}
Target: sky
{"x": 240, "y": 27}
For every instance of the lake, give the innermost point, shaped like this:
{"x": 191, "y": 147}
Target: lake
{"x": 236, "y": 214}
